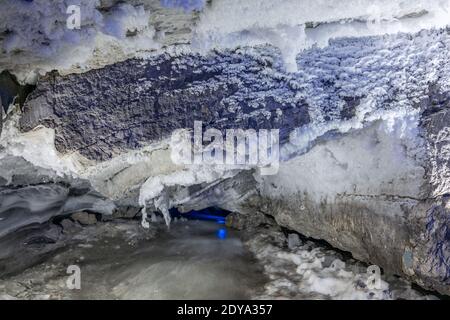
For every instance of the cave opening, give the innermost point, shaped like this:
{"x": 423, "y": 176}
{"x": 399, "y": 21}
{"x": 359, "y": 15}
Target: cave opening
{"x": 215, "y": 214}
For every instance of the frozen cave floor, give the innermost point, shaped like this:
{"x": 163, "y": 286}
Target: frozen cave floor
{"x": 198, "y": 260}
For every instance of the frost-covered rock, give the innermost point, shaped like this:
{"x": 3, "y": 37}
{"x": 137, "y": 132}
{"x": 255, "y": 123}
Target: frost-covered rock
{"x": 140, "y": 101}
{"x": 296, "y": 25}
{"x": 35, "y": 37}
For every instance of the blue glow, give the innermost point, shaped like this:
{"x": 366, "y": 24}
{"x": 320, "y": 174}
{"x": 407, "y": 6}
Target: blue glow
{"x": 221, "y": 233}
{"x": 209, "y": 214}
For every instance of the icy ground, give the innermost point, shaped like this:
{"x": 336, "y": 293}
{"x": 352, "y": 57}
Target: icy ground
{"x": 303, "y": 269}
{"x": 196, "y": 260}
{"x": 126, "y": 261}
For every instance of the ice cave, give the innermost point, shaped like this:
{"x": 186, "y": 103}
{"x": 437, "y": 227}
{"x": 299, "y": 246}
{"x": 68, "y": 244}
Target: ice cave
{"x": 225, "y": 149}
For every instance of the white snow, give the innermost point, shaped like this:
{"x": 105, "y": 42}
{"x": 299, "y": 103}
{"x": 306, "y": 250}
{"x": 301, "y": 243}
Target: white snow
{"x": 125, "y": 18}
{"x": 382, "y": 159}
{"x": 311, "y": 271}
{"x": 38, "y": 40}
{"x": 36, "y": 146}
{"x": 391, "y": 75}
{"x": 233, "y": 23}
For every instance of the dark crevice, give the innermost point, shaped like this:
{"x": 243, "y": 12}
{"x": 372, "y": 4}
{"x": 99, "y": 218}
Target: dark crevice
{"x": 210, "y": 214}
{"x": 11, "y": 91}
{"x": 346, "y": 255}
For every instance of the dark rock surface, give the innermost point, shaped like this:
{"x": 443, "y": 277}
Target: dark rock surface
{"x": 29, "y": 198}
{"x": 84, "y": 218}
{"x": 129, "y": 104}
{"x": 28, "y": 246}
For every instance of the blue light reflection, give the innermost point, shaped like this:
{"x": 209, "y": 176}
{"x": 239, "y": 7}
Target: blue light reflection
{"x": 221, "y": 233}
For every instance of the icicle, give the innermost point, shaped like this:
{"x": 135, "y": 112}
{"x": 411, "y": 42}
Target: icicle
{"x": 162, "y": 203}
{"x": 144, "y": 222}
{"x": 167, "y": 217}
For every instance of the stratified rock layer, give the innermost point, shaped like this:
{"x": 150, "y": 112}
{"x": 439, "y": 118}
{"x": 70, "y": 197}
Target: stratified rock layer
{"x": 29, "y": 198}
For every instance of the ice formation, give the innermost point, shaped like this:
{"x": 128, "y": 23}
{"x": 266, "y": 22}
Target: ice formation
{"x": 155, "y": 189}
{"x": 36, "y": 37}
{"x": 37, "y": 147}
{"x": 308, "y": 270}
{"x": 295, "y": 25}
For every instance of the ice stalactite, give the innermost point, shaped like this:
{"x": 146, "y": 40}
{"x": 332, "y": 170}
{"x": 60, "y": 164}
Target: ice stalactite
{"x": 144, "y": 221}
{"x": 162, "y": 203}
{"x": 159, "y": 192}
{"x": 153, "y": 191}
{"x": 290, "y": 40}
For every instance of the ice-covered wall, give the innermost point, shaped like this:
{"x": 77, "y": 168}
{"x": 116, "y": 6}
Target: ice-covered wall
{"x": 34, "y": 37}
{"x": 294, "y": 25}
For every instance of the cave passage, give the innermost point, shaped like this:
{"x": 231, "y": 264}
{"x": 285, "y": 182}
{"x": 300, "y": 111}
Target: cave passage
{"x": 198, "y": 257}
{"x": 209, "y": 214}
{"x": 195, "y": 259}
